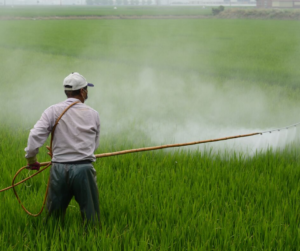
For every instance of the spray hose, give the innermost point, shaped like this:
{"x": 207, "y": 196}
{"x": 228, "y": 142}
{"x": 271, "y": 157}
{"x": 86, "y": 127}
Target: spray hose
{"x": 47, "y": 164}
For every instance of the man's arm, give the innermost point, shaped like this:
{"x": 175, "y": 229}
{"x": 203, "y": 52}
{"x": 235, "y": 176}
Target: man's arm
{"x": 37, "y": 137}
{"x": 97, "y": 133}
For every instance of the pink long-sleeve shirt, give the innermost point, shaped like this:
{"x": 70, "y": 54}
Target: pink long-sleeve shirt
{"x": 76, "y": 136}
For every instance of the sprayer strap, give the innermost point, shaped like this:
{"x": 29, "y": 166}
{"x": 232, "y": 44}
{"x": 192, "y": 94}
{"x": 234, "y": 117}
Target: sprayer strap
{"x": 56, "y": 123}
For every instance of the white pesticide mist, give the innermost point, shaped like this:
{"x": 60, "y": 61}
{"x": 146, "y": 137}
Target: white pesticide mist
{"x": 169, "y": 110}
{"x": 162, "y": 106}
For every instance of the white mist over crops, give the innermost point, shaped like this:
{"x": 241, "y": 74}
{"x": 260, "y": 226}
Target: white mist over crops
{"x": 169, "y": 109}
{"x": 163, "y": 105}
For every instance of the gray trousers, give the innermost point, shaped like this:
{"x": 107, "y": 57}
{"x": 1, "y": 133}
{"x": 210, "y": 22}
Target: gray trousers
{"x": 68, "y": 180}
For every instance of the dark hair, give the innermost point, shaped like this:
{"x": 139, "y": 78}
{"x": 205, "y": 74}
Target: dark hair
{"x": 71, "y": 94}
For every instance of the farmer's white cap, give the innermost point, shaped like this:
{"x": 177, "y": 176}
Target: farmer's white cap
{"x": 75, "y": 81}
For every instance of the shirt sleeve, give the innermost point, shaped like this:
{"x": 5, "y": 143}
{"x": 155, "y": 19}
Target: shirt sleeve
{"x": 38, "y": 135}
{"x": 97, "y": 133}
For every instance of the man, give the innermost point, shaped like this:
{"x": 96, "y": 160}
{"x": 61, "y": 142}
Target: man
{"x": 76, "y": 137}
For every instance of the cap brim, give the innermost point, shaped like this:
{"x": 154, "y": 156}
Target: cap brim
{"x": 90, "y": 85}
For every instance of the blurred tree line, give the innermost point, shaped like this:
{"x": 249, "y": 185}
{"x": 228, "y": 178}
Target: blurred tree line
{"x": 120, "y": 2}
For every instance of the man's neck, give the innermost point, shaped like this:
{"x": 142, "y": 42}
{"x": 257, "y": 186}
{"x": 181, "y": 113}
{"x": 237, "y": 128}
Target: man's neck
{"x": 78, "y": 97}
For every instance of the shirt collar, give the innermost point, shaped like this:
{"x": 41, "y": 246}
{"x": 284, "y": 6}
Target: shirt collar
{"x": 72, "y": 100}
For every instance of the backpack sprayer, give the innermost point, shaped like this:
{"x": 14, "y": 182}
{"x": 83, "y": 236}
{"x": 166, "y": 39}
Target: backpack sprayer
{"x": 47, "y": 164}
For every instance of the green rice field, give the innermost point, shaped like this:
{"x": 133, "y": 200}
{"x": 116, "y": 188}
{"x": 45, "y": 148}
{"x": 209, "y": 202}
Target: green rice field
{"x": 160, "y": 82}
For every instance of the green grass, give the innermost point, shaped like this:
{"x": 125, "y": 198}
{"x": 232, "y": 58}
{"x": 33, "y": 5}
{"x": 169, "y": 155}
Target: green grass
{"x": 234, "y": 53}
{"x": 157, "y": 82}
{"x": 177, "y": 201}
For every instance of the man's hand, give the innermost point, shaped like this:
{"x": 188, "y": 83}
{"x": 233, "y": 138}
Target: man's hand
{"x": 32, "y": 164}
